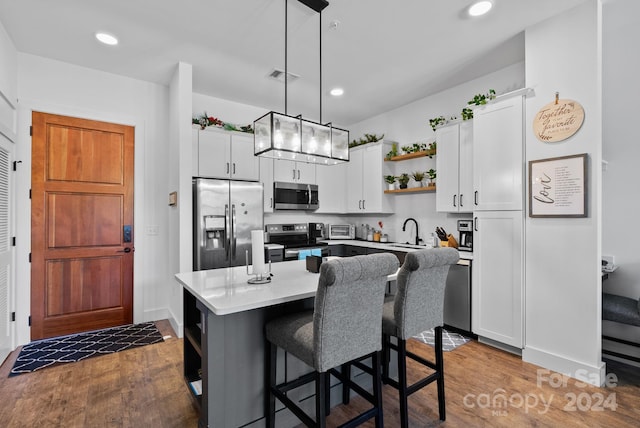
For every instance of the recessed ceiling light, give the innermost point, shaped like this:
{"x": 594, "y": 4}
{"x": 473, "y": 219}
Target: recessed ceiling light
{"x": 480, "y": 8}
{"x": 336, "y": 92}
{"x": 107, "y": 39}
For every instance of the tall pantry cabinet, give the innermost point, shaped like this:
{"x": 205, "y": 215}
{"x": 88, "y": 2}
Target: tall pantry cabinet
{"x": 498, "y": 207}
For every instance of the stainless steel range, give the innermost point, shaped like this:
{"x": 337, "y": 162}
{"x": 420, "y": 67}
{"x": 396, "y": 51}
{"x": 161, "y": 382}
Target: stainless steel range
{"x": 295, "y": 239}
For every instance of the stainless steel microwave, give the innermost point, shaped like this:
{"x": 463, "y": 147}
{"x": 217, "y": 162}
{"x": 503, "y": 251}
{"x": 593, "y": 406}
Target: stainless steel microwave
{"x": 295, "y": 196}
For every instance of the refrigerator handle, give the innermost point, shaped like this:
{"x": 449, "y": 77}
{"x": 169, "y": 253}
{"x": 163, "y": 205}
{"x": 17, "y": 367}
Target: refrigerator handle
{"x": 233, "y": 230}
{"x": 227, "y": 226}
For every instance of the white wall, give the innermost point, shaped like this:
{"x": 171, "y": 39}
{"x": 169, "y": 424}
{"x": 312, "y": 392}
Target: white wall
{"x": 620, "y": 148}
{"x": 55, "y": 87}
{"x": 180, "y": 249}
{"x": 563, "y": 286}
{"x": 410, "y": 124}
{"x": 8, "y": 85}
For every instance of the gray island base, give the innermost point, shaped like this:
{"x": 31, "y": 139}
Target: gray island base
{"x": 224, "y": 345}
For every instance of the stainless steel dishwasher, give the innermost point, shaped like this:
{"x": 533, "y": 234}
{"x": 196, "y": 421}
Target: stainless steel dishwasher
{"x": 457, "y": 296}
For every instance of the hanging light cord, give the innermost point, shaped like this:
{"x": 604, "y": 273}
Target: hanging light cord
{"x": 286, "y": 38}
{"x": 320, "y": 38}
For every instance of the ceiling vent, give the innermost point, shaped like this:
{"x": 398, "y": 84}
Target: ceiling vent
{"x": 277, "y": 74}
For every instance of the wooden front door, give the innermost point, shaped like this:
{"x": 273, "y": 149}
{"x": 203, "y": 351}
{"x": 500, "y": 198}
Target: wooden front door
{"x": 81, "y": 225}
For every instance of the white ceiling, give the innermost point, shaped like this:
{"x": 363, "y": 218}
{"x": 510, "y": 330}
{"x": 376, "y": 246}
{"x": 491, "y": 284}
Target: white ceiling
{"x": 383, "y": 53}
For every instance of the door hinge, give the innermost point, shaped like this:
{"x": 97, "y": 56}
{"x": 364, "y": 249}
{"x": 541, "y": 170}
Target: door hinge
{"x": 13, "y": 241}
{"x": 29, "y": 257}
{"x": 29, "y": 320}
{"x": 15, "y": 165}
{"x": 31, "y": 131}
{"x": 29, "y": 193}
{"x": 13, "y": 316}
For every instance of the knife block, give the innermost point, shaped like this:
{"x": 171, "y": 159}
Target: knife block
{"x": 450, "y": 242}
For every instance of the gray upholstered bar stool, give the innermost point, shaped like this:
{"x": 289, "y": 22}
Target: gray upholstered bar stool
{"x": 417, "y": 306}
{"x": 344, "y": 325}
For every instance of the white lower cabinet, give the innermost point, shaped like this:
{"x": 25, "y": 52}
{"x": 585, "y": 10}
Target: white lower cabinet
{"x": 332, "y": 188}
{"x": 498, "y": 277}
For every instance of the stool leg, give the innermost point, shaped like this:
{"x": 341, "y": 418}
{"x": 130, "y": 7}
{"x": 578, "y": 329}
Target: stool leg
{"x": 270, "y": 399}
{"x": 402, "y": 383}
{"x": 327, "y": 394}
{"x": 321, "y": 403}
{"x": 377, "y": 388}
{"x": 386, "y": 356}
{"x": 346, "y": 391}
{"x": 440, "y": 370}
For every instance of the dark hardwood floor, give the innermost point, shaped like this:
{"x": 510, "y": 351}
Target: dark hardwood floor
{"x": 485, "y": 387}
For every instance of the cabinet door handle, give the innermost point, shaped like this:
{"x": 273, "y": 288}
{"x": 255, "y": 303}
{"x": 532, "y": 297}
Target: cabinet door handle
{"x": 227, "y": 167}
{"x": 294, "y": 174}
{"x": 460, "y": 200}
{"x": 270, "y": 202}
{"x": 475, "y": 197}
{"x": 234, "y": 168}
{"x": 298, "y": 174}
{"x": 454, "y": 200}
{"x": 359, "y": 204}
{"x": 363, "y": 204}
{"x": 475, "y": 224}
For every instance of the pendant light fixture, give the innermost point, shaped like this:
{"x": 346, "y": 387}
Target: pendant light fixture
{"x": 281, "y": 136}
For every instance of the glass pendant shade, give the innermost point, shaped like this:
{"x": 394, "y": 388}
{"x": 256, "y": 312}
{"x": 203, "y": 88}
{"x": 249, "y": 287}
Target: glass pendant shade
{"x": 279, "y": 136}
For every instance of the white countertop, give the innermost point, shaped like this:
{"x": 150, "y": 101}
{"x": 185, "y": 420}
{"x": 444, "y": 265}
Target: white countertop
{"x": 226, "y": 291}
{"x": 393, "y": 246}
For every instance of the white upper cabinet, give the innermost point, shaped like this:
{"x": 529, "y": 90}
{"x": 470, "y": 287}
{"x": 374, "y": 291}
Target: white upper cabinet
{"x": 332, "y": 188}
{"x": 294, "y": 172}
{"x": 266, "y": 178}
{"x": 497, "y": 155}
{"x": 365, "y": 179}
{"x": 454, "y": 165}
{"x": 228, "y": 155}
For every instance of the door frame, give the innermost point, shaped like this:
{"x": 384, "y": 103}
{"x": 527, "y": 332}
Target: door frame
{"x": 23, "y": 204}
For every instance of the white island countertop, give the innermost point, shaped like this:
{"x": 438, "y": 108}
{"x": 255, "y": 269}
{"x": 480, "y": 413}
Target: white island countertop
{"x": 226, "y": 291}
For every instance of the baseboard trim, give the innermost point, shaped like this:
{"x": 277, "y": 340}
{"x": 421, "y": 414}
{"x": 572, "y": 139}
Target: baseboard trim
{"x": 593, "y": 375}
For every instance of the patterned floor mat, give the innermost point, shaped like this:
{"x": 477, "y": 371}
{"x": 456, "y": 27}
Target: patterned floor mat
{"x": 76, "y": 347}
{"x": 450, "y": 341}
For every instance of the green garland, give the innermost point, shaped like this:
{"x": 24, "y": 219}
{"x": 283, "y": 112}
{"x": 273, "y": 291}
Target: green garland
{"x": 205, "y": 120}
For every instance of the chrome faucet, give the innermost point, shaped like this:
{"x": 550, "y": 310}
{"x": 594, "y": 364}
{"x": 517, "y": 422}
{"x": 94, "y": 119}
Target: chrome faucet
{"x": 405, "y": 225}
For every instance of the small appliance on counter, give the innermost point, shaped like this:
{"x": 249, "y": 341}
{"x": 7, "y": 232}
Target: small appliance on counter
{"x": 316, "y": 232}
{"x": 342, "y": 231}
{"x": 465, "y": 227}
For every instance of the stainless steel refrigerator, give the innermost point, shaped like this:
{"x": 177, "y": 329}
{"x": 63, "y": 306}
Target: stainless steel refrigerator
{"x": 224, "y": 214}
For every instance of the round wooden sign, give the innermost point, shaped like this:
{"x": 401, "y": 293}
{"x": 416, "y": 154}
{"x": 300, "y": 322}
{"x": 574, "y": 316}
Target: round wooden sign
{"x": 558, "y": 121}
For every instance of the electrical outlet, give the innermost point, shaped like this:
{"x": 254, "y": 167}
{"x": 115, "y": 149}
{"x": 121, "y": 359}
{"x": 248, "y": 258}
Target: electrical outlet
{"x": 153, "y": 230}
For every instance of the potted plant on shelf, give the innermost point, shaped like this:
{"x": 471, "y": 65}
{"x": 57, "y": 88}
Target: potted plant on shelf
{"x": 432, "y": 176}
{"x": 403, "y": 179}
{"x": 418, "y": 176}
{"x": 390, "y": 180}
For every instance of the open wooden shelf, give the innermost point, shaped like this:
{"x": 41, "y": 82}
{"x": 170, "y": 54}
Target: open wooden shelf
{"x": 414, "y": 155}
{"x": 413, "y": 190}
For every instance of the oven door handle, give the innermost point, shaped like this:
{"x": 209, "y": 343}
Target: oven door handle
{"x": 288, "y": 254}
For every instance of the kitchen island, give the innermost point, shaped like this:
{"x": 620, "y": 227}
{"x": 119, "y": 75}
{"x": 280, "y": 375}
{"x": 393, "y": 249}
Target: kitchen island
{"x": 224, "y": 318}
